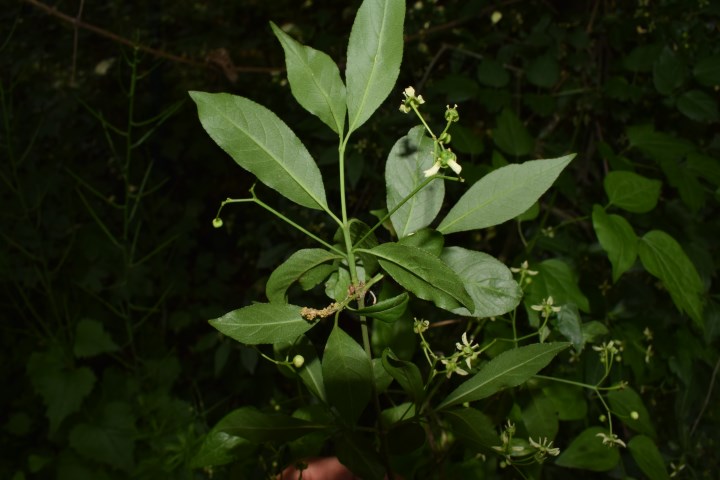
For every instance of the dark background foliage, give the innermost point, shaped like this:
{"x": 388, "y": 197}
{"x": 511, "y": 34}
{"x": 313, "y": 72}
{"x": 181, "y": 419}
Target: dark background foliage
{"x": 109, "y": 266}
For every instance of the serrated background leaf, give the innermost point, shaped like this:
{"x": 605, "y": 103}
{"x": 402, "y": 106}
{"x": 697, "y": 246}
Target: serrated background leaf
{"x": 663, "y": 257}
{"x": 503, "y": 194}
{"x": 509, "y": 369}
{"x": 488, "y": 281}
{"x": 408, "y": 159}
{"x": 261, "y": 143}
{"x": 373, "y": 58}
{"x": 263, "y": 323}
{"x": 314, "y": 81}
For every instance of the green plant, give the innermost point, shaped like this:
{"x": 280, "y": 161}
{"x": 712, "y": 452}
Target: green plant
{"x": 371, "y": 284}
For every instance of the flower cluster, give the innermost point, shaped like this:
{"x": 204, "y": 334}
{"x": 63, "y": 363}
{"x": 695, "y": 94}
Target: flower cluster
{"x": 519, "y": 451}
{"x": 609, "y": 351}
{"x": 445, "y": 159}
{"x": 411, "y": 100}
{"x": 546, "y": 307}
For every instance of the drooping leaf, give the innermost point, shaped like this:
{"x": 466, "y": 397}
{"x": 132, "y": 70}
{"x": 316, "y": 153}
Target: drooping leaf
{"x": 314, "y": 80}
{"x": 358, "y": 454}
{"x": 648, "y": 457}
{"x": 668, "y": 72}
{"x": 423, "y": 274}
{"x": 373, "y": 57}
{"x": 258, "y": 427}
{"x": 387, "y": 310}
{"x": 407, "y": 374}
{"x": 348, "y": 375}
{"x": 632, "y": 192}
{"x": 503, "y": 194}
{"x": 408, "y": 159}
{"x": 699, "y": 106}
{"x": 263, "y": 323}
{"x": 110, "y": 440}
{"x": 509, "y": 369}
{"x": 62, "y": 387}
{"x": 511, "y": 136}
{"x": 623, "y": 403}
{"x": 473, "y": 427}
{"x": 488, "y": 281}
{"x": 310, "y": 372}
{"x": 262, "y": 144}
{"x": 569, "y": 325}
{"x": 220, "y": 448}
{"x": 663, "y": 257}
{"x": 617, "y": 238}
{"x": 587, "y": 452}
{"x": 293, "y": 269}
{"x": 91, "y": 339}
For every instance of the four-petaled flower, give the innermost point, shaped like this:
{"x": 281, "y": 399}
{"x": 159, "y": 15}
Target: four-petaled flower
{"x": 446, "y": 159}
{"x": 467, "y": 349}
{"x": 411, "y": 100}
{"x": 546, "y": 307}
{"x": 451, "y": 367}
{"x": 611, "y": 440}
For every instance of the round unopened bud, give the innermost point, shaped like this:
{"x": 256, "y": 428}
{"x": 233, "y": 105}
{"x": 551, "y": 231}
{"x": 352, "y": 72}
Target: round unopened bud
{"x": 634, "y": 415}
{"x": 445, "y": 138}
{"x": 217, "y": 222}
{"x": 451, "y": 114}
{"x": 298, "y": 361}
{"x": 602, "y": 418}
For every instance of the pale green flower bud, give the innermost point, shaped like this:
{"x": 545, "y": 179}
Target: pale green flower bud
{"x": 217, "y": 222}
{"x": 298, "y": 361}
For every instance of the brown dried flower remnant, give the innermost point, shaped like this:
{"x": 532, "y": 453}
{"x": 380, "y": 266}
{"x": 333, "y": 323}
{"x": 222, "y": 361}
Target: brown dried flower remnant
{"x": 311, "y": 314}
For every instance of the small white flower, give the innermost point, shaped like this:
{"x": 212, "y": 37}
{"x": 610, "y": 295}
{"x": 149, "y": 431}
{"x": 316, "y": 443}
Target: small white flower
{"x": 611, "y": 440}
{"x": 432, "y": 170}
{"x": 451, "y": 367}
{"x": 455, "y": 166}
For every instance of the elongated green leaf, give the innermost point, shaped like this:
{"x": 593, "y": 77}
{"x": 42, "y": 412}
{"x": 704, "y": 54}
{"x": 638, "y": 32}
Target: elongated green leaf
{"x": 658, "y": 145}
{"x": 699, "y": 106}
{"x": 258, "y": 427}
{"x": 632, "y": 192}
{"x": 314, "y": 80}
{"x": 310, "y": 372}
{"x": 623, "y": 403}
{"x": 262, "y": 144}
{"x": 511, "y": 136}
{"x": 428, "y": 239}
{"x": 387, "y": 310}
{"x": 648, "y": 457}
{"x": 263, "y": 323}
{"x": 663, "y": 257}
{"x": 509, "y": 369}
{"x": 293, "y": 269}
{"x": 617, "y": 238}
{"x": 473, "y": 427}
{"x": 358, "y": 454}
{"x": 220, "y": 448}
{"x": 407, "y": 374}
{"x": 423, "y": 274}
{"x": 588, "y": 452}
{"x": 408, "y": 159}
{"x": 503, "y": 194}
{"x": 348, "y": 375}
{"x": 668, "y": 72}
{"x": 373, "y": 57}
{"x": 489, "y": 282}
{"x": 569, "y": 325}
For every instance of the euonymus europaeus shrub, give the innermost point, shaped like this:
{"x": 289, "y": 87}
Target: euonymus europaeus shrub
{"x": 363, "y": 397}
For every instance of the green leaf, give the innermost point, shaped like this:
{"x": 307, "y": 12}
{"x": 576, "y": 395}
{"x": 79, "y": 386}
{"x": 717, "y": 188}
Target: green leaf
{"x": 428, "y": 239}
{"x": 569, "y": 325}
{"x": 648, "y": 457}
{"x": 311, "y": 371}
{"x": 511, "y": 136}
{"x": 663, "y": 257}
{"x": 262, "y": 144}
{"x": 587, "y": 452}
{"x": 348, "y": 375}
{"x": 314, "y": 81}
{"x": 62, "y": 387}
{"x": 570, "y": 403}
{"x": 91, "y": 339}
{"x": 466, "y": 140}
{"x": 489, "y": 282}
{"x": 503, "y": 194}
{"x": 540, "y": 417}
{"x": 408, "y": 159}
{"x": 293, "y": 269}
{"x": 258, "y": 427}
{"x": 657, "y": 145}
{"x": 707, "y": 71}
{"x": 358, "y": 454}
{"x": 220, "y": 448}
{"x": 543, "y": 71}
{"x": 423, "y": 274}
{"x": 111, "y": 440}
{"x": 623, "y": 403}
{"x": 556, "y": 279}
{"x": 407, "y": 374}
{"x": 699, "y": 106}
{"x": 263, "y": 323}
{"x": 509, "y": 369}
{"x": 490, "y": 72}
{"x": 387, "y": 310}
{"x": 373, "y": 57}
{"x": 632, "y": 192}
{"x": 473, "y": 426}
{"x": 668, "y": 72}
{"x": 617, "y": 238}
